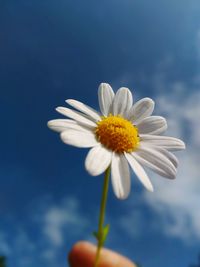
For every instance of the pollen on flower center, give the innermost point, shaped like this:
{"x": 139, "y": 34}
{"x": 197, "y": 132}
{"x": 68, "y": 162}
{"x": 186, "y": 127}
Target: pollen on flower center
{"x": 117, "y": 134}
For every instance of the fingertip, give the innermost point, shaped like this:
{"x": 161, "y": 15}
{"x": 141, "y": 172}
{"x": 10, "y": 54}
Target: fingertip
{"x": 83, "y": 254}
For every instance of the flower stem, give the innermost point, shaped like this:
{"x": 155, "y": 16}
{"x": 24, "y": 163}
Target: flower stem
{"x": 102, "y": 230}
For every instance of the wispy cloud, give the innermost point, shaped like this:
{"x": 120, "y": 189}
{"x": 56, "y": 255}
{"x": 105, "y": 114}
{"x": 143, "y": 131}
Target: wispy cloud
{"x": 56, "y": 224}
{"x": 176, "y": 202}
{"x": 58, "y": 218}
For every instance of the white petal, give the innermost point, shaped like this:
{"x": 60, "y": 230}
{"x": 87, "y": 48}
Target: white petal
{"x": 78, "y": 138}
{"x": 98, "y": 160}
{"x": 169, "y": 155}
{"x": 169, "y": 143}
{"x": 61, "y": 125}
{"x": 139, "y": 171}
{"x": 151, "y": 166}
{"x": 155, "y": 161}
{"x": 106, "y": 96}
{"x": 84, "y": 108}
{"x": 122, "y": 102}
{"x": 141, "y": 109}
{"x": 77, "y": 116}
{"x": 152, "y": 125}
{"x": 120, "y": 176}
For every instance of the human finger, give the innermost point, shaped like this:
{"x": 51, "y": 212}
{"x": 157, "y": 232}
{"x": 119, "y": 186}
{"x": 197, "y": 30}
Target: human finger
{"x": 83, "y": 255}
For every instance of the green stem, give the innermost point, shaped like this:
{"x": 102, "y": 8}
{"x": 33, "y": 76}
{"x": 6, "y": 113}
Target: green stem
{"x": 102, "y": 231}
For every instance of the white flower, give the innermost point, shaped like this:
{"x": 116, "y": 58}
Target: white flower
{"x": 123, "y": 135}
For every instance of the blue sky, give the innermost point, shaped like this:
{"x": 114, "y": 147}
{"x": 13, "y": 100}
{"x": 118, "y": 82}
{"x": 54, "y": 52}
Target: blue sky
{"x": 54, "y": 50}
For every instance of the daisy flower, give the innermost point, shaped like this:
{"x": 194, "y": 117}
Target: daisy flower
{"x": 123, "y": 136}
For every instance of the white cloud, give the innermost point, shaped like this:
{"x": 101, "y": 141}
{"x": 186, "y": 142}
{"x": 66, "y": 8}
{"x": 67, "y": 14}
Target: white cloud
{"x": 177, "y": 202}
{"x": 43, "y": 239}
{"x": 57, "y": 218}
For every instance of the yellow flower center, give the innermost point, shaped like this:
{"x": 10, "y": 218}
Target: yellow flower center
{"x": 117, "y": 134}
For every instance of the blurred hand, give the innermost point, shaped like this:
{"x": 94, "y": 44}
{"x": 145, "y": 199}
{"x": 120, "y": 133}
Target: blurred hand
{"x": 83, "y": 255}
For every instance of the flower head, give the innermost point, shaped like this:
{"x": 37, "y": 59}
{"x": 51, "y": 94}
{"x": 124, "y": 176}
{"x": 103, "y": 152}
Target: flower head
{"x": 123, "y": 135}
